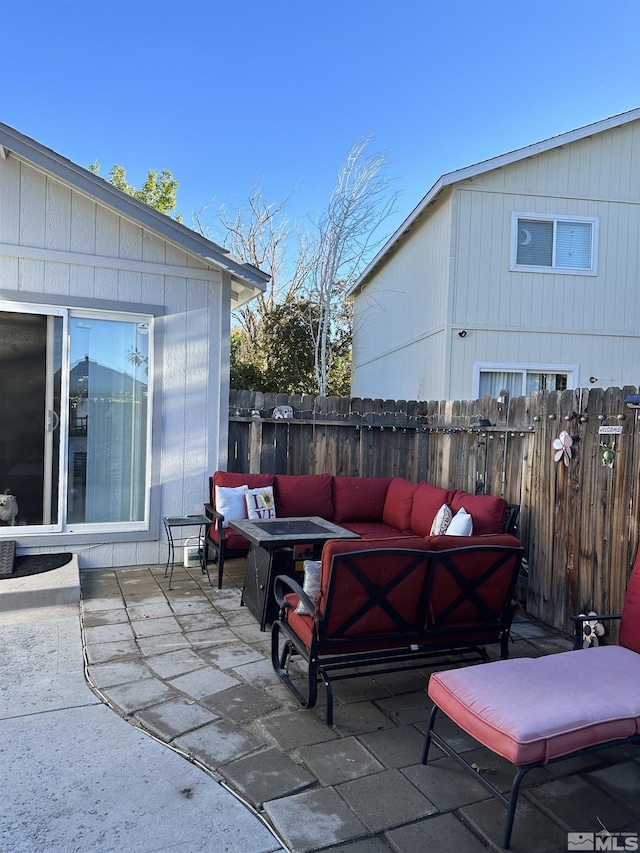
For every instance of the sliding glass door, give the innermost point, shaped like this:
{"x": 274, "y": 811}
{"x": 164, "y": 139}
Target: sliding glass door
{"x": 108, "y": 413}
{"x": 30, "y": 409}
{"x": 74, "y": 419}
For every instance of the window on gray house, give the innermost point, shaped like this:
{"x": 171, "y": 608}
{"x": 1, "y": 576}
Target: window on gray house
{"x": 553, "y": 243}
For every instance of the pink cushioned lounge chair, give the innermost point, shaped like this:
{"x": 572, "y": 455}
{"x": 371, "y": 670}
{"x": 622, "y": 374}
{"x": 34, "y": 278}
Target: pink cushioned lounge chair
{"x": 529, "y": 710}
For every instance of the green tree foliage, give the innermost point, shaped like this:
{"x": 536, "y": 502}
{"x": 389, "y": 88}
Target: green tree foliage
{"x": 158, "y": 191}
{"x": 282, "y": 359}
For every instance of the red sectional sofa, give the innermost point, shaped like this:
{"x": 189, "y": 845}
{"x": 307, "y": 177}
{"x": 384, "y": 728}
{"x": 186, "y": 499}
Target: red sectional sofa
{"x": 377, "y": 508}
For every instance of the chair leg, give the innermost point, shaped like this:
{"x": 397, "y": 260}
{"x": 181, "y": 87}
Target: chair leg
{"x": 280, "y": 661}
{"x": 427, "y": 740}
{"x": 220, "y": 567}
{"x": 513, "y": 802}
{"x": 509, "y": 804}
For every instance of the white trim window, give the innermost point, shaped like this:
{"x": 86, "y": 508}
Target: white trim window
{"x": 521, "y": 379}
{"x": 542, "y": 242}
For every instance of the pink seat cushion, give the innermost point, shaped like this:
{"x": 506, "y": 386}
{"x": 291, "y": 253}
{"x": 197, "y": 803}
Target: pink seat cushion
{"x": 535, "y": 709}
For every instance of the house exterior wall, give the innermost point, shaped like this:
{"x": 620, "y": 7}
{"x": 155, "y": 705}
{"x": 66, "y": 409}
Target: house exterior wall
{"x": 521, "y": 317}
{"x": 400, "y": 321}
{"x": 61, "y": 247}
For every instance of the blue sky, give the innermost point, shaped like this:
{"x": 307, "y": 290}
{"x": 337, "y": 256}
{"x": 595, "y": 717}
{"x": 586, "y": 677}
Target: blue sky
{"x": 230, "y": 94}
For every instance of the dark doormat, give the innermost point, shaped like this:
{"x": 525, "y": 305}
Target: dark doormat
{"x": 35, "y": 564}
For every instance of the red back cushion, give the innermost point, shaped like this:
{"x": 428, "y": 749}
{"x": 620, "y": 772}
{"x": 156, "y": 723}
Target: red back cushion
{"x": 304, "y": 494}
{"x": 359, "y": 498}
{"x": 487, "y": 511}
{"x": 630, "y": 625}
{"x": 231, "y": 479}
{"x": 398, "y": 504}
{"x": 426, "y": 502}
{"x": 490, "y": 573}
{"x": 381, "y": 562}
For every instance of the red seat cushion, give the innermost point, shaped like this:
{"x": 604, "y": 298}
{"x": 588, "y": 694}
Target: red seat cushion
{"x": 359, "y": 498}
{"x": 488, "y": 512}
{"x": 398, "y": 504}
{"x": 531, "y": 710}
{"x": 630, "y": 625}
{"x": 303, "y": 495}
{"x": 373, "y": 530}
{"x": 427, "y": 500}
{"x": 232, "y": 541}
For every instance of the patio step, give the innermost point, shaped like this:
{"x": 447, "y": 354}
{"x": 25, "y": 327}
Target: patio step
{"x": 46, "y": 589}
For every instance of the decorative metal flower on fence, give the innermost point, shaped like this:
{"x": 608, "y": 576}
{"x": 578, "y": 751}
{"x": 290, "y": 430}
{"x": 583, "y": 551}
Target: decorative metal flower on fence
{"x": 591, "y": 630}
{"x": 562, "y": 445}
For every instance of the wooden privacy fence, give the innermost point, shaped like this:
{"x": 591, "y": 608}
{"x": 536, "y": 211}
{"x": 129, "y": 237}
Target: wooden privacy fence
{"x": 579, "y": 522}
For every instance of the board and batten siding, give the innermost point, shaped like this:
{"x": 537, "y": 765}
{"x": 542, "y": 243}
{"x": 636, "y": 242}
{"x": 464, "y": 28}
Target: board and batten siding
{"x": 60, "y": 246}
{"x": 511, "y": 317}
{"x": 400, "y": 318}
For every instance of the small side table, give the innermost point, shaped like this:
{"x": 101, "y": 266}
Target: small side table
{"x": 200, "y": 521}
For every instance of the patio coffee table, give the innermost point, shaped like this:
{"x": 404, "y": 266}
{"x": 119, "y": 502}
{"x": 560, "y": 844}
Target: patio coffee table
{"x": 272, "y": 553}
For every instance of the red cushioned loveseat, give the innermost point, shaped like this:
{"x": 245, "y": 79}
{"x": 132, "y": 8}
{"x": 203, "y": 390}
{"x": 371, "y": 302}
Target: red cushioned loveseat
{"x": 377, "y": 508}
{"x": 392, "y": 603}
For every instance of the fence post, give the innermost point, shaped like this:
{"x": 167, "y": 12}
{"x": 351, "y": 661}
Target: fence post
{"x": 255, "y": 443}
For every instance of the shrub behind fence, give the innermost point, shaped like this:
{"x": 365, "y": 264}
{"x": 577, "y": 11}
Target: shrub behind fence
{"x": 579, "y": 522}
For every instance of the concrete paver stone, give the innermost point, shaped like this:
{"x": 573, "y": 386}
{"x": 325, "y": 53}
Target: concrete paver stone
{"x": 267, "y": 775}
{"x": 314, "y": 819}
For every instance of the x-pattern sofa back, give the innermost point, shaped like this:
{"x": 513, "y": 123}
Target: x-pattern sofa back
{"x": 391, "y": 607}
{"x": 526, "y": 709}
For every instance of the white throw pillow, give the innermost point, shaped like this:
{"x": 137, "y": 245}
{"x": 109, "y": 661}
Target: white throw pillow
{"x": 442, "y": 521}
{"x": 231, "y": 503}
{"x": 311, "y": 583}
{"x": 260, "y": 503}
{"x": 461, "y": 524}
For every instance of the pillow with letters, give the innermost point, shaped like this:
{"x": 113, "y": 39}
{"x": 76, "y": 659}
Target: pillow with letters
{"x": 260, "y": 503}
{"x": 230, "y": 502}
{"x": 311, "y": 583}
{"x": 461, "y": 524}
{"x": 442, "y": 521}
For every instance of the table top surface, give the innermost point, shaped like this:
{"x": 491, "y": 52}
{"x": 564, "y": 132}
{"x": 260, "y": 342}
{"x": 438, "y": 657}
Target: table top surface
{"x": 185, "y": 520}
{"x": 311, "y": 530}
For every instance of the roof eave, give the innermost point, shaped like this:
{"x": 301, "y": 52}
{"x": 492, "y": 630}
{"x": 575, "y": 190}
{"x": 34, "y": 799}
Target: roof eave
{"x": 248, "y": 277}
{"x": 487, "y": 166}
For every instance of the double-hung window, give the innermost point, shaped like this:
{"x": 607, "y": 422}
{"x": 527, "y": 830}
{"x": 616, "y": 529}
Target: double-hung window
{"x": 546, "y": 243}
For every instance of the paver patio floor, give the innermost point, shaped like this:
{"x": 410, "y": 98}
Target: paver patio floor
{"x": 191, "y": 667}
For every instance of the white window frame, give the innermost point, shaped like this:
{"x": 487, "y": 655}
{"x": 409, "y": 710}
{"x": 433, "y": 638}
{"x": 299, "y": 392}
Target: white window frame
{"x": 518, "y": 215}
{"x": 572, "y": 371}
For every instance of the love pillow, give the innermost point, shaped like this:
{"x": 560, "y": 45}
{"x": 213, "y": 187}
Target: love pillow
{"x": 260, "y": 503}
